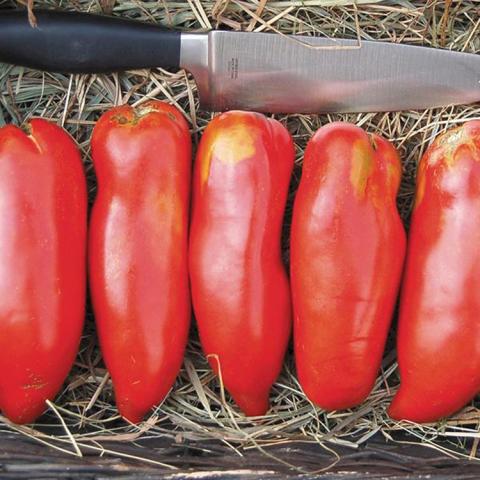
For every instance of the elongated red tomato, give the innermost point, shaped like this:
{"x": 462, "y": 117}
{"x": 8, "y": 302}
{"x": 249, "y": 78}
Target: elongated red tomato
{"x": 239, "y": 285}
{"x": 439, "y": 326}
{"x": 347, "y": 253}
{"x": 138, "y": 250}
{"x": 43, "y": 219}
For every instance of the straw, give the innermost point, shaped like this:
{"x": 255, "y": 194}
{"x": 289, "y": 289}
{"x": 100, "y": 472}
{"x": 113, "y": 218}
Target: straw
{"x": 83, "y": 416}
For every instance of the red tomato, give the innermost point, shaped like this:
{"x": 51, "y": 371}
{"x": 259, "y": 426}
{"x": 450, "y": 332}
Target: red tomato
{"x": 439, "y": 325}
{"x": 240, "y": 289}
{"x": 138, "y": 250}
{"x": 43, "y": 217}
{"x": 347, "y": 253}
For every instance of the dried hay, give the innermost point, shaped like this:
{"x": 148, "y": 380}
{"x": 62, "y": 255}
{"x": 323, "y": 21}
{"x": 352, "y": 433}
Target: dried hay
{"x": 83, "y": 416}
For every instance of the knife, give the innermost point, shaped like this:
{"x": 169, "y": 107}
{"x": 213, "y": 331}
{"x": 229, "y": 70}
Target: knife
{"x": 249, "y": 71}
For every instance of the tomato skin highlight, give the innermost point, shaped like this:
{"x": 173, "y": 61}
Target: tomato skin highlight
{"x": 43, "y": 223}
{"x": 438, "y": 340}
{"x": 138, "y": 250}
{"x": 240, "y": 289}
{"x": 347, "y": 253}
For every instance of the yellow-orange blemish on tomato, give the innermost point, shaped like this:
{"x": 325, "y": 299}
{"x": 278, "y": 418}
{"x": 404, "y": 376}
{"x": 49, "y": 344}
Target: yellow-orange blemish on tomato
{"x": 393, "y": 169}
{"x": 143, "y": 110}
{"x": 362, "y": 166}
{"x": 446, "y": 146}
{"x": 130, "y": 117}
{"x": 420, "y": 188}
{"x": 230, "y": 146}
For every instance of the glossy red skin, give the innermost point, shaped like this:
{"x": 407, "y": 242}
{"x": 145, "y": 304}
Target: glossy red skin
{"x": 438, "y": 341}
{"x": 138, "y": 250}
{"x": 239, "y": 285}
{"x": 43, "y": 218}
{"x": 347, "y": 253}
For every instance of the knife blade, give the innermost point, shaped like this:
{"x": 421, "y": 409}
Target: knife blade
{"x": 250, "y": 71}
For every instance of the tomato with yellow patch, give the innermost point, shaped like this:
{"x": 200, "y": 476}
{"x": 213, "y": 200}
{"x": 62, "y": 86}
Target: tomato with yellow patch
{"x": 438, "y": 340}
{"x": 347, "y": 253}
{"x": 138, "y": 250}
{"x": 43, "y": 237}
{"x": 240, "y": 289}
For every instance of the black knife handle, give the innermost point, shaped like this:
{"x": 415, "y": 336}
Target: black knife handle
{"x": 85, "y": 43}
